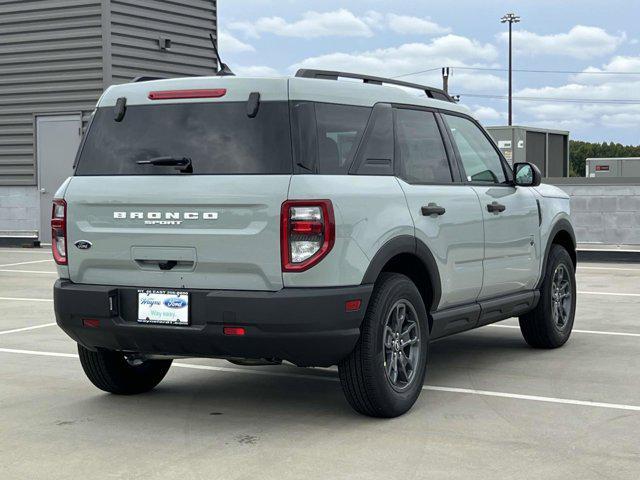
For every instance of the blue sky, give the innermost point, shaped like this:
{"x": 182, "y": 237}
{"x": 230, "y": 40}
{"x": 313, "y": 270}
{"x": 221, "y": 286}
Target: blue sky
{"x": 275, "y": 37}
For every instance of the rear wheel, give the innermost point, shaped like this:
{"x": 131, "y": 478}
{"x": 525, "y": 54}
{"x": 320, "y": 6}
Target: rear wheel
{"x": 384, "y": 374}
{"x": 549, "y": 324}
{"x": 116, "y": 373}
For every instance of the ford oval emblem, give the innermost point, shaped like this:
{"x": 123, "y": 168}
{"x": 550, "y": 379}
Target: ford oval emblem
{"x": 83, "y": 245}
{"x": 175, "y": 302}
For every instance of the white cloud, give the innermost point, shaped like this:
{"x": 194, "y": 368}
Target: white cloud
{"x": 584, "y": 114}
{"x": 408, "y": 25}
{"x": 594, "y": 75}
{"x": 256, "y": 71}
{"x": 487, "y": 114}
{"x": 580, "y": 42}
{"x": 340, "y": 23}
{"x": 230, "y": 44}
{"x": 374, "y": 19}
{"x": 451, "y": 50}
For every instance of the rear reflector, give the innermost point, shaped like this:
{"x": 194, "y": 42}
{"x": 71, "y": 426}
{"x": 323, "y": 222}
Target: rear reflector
{"x": 179, "y": 94}
{"x": 353, "y": 305}
{"x": 234, "y": 331}
{"x": 91, "y": 322}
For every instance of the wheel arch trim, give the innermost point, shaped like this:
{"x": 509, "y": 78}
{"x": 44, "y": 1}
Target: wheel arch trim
{"x": 561, "y": 225}
{"x": 407, "y": 244}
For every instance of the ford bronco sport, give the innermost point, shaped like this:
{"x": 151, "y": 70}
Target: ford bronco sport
{"x": 307, "y": 219}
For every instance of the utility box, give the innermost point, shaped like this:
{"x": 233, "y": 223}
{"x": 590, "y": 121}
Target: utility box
{"x": 622, "y": 167}
{"x": 547, "y": 149}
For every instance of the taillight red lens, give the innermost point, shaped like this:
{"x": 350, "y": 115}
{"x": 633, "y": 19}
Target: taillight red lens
{"x": 181, "y": 94}
{"x": 307, "y": 233}
{"x": 59, "y": 231}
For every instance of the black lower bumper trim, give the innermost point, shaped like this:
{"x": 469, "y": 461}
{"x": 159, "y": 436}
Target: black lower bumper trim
{"x": 306, "y": 326}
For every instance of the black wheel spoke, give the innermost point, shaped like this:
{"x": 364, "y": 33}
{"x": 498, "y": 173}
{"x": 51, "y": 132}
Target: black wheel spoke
{"x": 401, "y": 344}
{"x": 561, "y": 296}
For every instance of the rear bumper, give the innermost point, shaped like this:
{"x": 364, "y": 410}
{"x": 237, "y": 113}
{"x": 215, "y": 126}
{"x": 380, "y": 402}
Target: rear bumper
{"x": 306, "y": 326}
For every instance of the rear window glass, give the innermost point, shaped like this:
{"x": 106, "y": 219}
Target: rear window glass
{"x": 219, "y": 138}
{"x": 423, "y": 158}
{"x": 327, "y": 136}
{"x": 340, "y": 129}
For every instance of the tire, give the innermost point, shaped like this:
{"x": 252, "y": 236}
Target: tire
{"x": 549, "y": 325}
{"x": 367, "y": 374}
{"x": 111, "y": 372}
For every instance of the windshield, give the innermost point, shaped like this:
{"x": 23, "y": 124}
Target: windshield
{"x": 218, "y": 138}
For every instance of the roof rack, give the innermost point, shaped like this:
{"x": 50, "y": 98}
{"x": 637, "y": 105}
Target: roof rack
{"x": 435, "y": 93}
{"x": 146, "y": 79}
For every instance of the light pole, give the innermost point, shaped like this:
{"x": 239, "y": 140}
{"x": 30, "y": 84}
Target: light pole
{"x": 510, "y": 18}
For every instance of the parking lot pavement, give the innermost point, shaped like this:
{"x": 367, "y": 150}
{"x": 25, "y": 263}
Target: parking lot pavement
{"x": 492, "y": 407}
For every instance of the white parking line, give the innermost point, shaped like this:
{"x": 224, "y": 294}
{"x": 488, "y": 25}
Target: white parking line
{"x": 486, "y": 393}
{"x": 26, "y": 329}
{"x": 620, "y": 269}
{"x": 46, "y": 251}
{"x": 535, "y": 398}
{"x": 41, "y": 354}
{"x": 28, "y": 271}
{"x": 18, "y": 299}
{"x": 612, "y": 294}
{"x": 25, "y": 263}
{"x": 575, "y": 330}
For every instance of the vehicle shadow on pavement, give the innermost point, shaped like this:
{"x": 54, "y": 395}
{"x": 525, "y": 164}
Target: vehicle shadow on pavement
{"x": 198, "y": 398}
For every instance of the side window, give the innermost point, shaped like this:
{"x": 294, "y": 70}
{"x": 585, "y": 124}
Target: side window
{"x": 340, "y": 129}
{"x": 421, "y": 153}
{"x": 480, "y": 160}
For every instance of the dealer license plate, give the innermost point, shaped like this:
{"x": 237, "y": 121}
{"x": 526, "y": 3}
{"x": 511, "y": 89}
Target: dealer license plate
{"x": 165, "y": 307}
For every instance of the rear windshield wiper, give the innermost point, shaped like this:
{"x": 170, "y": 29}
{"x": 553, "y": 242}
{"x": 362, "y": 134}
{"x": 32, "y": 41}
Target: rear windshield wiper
{"x": 184, "y": 164}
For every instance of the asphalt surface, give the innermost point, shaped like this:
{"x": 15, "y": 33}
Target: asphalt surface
{"x": 492, "y": 407}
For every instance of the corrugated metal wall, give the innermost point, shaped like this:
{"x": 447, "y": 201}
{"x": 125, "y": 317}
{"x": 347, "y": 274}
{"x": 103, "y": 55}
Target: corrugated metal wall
{"x": 136, "y": 26}
{"x": 50, "y": 61}
{"x": 57, "y": 56}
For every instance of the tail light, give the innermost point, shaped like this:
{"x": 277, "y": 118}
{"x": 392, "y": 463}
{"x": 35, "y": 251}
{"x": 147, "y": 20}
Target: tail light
{"x": 59, "y": 231}
{"x": 307, "y": 233}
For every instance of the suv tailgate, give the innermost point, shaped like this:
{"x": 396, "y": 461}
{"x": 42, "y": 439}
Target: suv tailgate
{"x": 222, "y": 232}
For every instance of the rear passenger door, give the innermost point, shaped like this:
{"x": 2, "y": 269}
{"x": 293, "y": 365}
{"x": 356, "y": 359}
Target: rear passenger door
{"x": 445, "y": 211}
{"x": 511, "y": 221}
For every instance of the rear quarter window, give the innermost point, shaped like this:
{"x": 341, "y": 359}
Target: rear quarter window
{"x": 327, "y": 136}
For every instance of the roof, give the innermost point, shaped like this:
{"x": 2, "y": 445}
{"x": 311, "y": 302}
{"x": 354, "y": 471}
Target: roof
{"x": 275, "y": 89}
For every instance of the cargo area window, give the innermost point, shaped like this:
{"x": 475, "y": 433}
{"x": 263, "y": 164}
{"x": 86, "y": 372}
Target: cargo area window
{"x": 217, "y": 138}
{"x": 326, "y": 136}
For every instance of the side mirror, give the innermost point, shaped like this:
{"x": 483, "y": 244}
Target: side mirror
{"x": 527, "y": 175}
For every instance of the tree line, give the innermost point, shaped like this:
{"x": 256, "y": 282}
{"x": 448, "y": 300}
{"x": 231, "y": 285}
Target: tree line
{"x": 579, "y": 152}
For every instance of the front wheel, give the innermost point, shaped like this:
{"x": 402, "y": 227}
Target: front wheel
{"x": 114, "y": 372}
{"x": 549, "y": 325}
{"x": 384, "y": 374}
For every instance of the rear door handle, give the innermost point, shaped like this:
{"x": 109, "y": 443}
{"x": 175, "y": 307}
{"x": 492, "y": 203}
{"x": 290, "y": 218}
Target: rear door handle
{"x": 433, "y": 209}
{"x": 496, "y": 207}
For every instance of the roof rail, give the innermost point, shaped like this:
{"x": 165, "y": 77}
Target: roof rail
{"x": 146, "y": 79}
{"x": 435, "y": 93}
